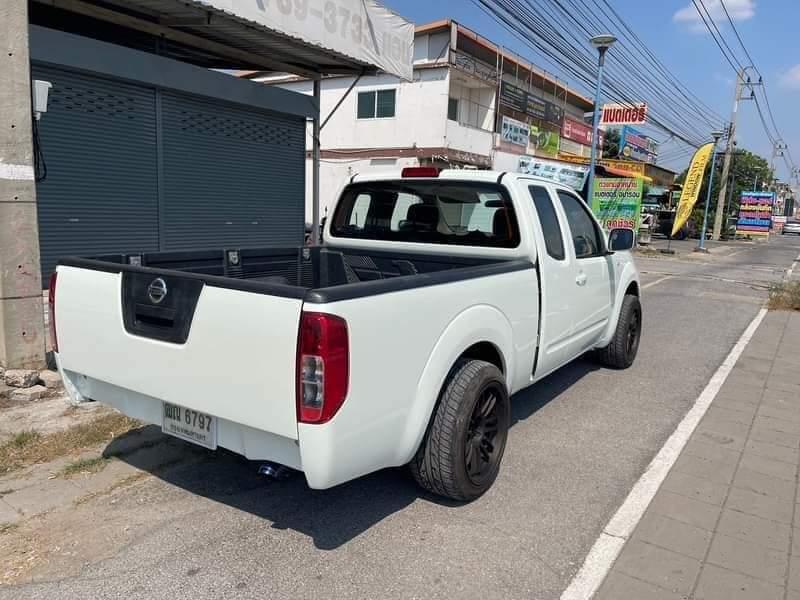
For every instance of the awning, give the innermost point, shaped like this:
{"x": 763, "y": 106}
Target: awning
{"x": 306, "y": 38}
{"x": 624, "y": 173}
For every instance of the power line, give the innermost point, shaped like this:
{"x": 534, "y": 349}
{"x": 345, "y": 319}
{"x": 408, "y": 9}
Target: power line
{"x": 716, "y": 41}
{"x": 736, "y": 32}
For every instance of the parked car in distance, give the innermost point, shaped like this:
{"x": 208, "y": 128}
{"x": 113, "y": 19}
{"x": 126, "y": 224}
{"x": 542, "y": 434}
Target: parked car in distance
{"x": 791, "y": 226}
{"x": 435, "y": 297}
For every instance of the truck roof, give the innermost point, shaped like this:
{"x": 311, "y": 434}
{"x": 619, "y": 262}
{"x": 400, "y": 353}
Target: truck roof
{"x": 457, "y": 175}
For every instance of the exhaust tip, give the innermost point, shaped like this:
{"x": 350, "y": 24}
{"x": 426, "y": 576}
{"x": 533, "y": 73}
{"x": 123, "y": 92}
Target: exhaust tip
{"x": 274, "y": 471}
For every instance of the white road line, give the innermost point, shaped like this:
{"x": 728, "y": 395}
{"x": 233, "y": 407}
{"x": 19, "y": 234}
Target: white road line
{"x": 608, "y": 546}
{"x": 656, "y": 282}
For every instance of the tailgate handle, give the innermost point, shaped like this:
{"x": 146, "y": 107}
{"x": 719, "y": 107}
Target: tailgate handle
{"x": 154, "y": 316}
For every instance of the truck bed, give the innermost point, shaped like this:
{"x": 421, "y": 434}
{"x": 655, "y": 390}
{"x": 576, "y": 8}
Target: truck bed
{"x": 313, "y": 274}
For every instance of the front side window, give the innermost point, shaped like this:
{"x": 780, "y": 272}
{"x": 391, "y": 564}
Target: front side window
{"x": 433, "y": 212}
{"x": 378, "y": 104}
{"x": 586, "y": 236}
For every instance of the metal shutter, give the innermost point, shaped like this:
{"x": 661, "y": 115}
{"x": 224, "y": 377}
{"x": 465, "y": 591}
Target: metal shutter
{"x": 232, "y": 176}
{"x": 101, "y": 192}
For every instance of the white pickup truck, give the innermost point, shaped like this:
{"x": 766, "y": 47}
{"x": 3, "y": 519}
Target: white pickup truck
{"x": 434, "y": 298}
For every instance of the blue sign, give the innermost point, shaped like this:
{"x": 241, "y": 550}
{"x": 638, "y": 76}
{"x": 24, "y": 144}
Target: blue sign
{"x": 634, "y": 145}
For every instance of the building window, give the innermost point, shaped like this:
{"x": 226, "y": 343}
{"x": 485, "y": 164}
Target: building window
{"x": 452, "y": 109}
{"x": 378, "y": 104}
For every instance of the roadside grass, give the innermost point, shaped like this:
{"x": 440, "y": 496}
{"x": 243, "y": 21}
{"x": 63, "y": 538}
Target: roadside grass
{"x": 31, "y": 447}
{"x": 785, "y": 296}
{"x": 85, "y": 465}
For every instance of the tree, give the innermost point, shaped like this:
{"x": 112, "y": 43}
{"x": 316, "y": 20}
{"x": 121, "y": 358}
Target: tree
{"x": 746, "y": 168}
{"x": 611, "y": 143}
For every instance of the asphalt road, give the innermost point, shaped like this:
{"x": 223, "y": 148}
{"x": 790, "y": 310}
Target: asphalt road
{"x": 580, "y": 440}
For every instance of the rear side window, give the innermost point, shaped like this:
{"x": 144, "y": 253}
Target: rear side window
{"x": 553, "y": 240}
{"x": 425, "y": 211}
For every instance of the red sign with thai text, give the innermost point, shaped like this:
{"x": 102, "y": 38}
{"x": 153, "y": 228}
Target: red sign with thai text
{"x": 620, "y": 114}
{"x": 578, "y": 132}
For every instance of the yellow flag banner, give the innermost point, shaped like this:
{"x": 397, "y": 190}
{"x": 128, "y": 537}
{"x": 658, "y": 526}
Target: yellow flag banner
{"x": 691, "y": 187}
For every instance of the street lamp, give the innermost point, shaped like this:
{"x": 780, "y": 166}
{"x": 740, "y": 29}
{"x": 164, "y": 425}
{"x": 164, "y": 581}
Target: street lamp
{"x": 702, "y": 247}
{"x": 602, "y": 42}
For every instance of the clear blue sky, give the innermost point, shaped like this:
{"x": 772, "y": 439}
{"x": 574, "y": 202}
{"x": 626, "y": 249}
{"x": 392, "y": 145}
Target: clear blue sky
{"x": 670, "y": 28}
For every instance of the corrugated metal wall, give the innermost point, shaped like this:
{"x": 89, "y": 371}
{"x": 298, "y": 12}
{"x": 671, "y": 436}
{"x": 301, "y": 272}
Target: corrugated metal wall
{"x": 101, "y": 193}
{"x": 240, "y": 174}
{"x": 133, "y": 169}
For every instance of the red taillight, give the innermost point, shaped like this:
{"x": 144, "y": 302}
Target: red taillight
{"x": 420, "y": 172}
{"x": 323, "y": 365}
{"x": 51, "y": 303}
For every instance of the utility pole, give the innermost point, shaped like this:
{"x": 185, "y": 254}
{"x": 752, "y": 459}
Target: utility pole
{"x": 777, "y": 150}
{"x": 22, "y": 339}
{"x": 742, "y": 81}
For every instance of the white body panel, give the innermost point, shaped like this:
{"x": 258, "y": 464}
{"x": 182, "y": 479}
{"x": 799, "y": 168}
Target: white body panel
{"x": 239, "y": 361}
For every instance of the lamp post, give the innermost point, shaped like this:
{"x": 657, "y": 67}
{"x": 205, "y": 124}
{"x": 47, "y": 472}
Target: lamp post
{"x": 702, "y": 247}
{"x": 602, "y": 42}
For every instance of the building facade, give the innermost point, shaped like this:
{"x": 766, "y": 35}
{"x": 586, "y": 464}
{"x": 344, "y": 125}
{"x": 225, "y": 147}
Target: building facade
{"x": 471, "y": 104}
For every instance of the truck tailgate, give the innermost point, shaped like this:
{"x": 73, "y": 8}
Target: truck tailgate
{"x": 237, "y": 361}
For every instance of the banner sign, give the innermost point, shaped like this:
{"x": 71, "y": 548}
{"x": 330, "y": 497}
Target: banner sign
{"x": 514, "y": 97}
{"x": 691, "y": 187}
{"x": 634, "y": 145}
{"x": 545, "y": 143}
{"x": 553, "y": 113}
{"x": 617, "y": 202}
{"x": 536, "y": 108}
{"x": 364, "y": 31}
{"x": 572, "y": 175}
{"x": 620, "y": 114}
{"x": 515, "y": 132}
{"x": 577, "y": 131}
{"x": 573, "y": 148}
{"x": 521, "y": 101}
{"x": 755, "y": 213}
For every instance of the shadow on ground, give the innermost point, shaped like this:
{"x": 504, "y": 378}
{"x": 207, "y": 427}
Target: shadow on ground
{"x": 331, "y": 517}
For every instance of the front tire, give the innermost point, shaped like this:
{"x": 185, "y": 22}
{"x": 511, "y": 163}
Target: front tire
{"x": 460, "y": 455}
{"x": 624, "y": 346}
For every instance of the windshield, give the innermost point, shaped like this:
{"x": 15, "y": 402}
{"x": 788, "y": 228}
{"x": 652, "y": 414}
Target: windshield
{"x": 432, "y": 212}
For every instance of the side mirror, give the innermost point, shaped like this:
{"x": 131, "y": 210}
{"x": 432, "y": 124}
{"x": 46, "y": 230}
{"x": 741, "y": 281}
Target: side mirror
{"x": 621, "y": 239}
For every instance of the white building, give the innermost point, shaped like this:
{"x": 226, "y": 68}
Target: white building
{"x": 457, "y": 112}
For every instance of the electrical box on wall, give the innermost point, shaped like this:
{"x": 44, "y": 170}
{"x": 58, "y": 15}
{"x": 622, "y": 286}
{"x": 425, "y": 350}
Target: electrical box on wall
{"x": 39, "y": 91}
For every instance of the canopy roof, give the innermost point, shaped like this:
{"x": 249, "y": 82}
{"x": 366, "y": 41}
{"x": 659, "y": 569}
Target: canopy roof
{"x": 309, "y": 38}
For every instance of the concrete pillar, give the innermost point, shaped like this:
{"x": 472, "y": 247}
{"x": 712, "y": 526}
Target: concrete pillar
{"x": 22, "y": 336}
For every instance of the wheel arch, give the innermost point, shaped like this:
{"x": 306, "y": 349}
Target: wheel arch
{"x": 480, "y": 332}
{"x": 628, "y": 284}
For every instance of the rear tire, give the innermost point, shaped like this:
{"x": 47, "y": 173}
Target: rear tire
{"x": 460, "y": 455}
{"x": 624, "y": 346}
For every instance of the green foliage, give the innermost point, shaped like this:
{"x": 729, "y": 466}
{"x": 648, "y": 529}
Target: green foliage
{"x": 611, "y": 143}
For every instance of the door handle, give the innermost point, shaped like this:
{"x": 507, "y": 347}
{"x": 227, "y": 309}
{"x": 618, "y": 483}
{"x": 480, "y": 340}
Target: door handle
{"x": 581, "y": 279}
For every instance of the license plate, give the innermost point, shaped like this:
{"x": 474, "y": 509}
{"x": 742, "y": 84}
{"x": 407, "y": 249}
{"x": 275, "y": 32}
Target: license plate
{"x": 190, "y": 425}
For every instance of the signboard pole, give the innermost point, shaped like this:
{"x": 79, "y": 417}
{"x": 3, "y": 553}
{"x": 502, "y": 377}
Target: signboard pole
{"x": 596, "y": 120}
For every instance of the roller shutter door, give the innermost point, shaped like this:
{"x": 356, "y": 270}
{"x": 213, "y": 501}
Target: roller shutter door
{"x": 101, "y": 192}
{"x": 232, "y": 176}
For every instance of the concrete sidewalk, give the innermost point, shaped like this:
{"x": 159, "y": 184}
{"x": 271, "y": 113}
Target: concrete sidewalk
{"x": 725, "y": 524}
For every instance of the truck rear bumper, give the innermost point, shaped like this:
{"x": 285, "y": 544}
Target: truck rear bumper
{"x": 251, "y": 443}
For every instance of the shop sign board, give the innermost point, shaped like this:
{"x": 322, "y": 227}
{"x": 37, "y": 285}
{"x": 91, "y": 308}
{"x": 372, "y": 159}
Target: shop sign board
{"x": 617, "y": 202}
{"x": 544, "y": 142}
{"x": 621, "y": 114}
{"x": 755, "y": 213}
{"x": 634, "y": 145}
{"x": 515, "y": 132}
{"x": 518, "y": 99}
{"x": 573, "y": 175}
